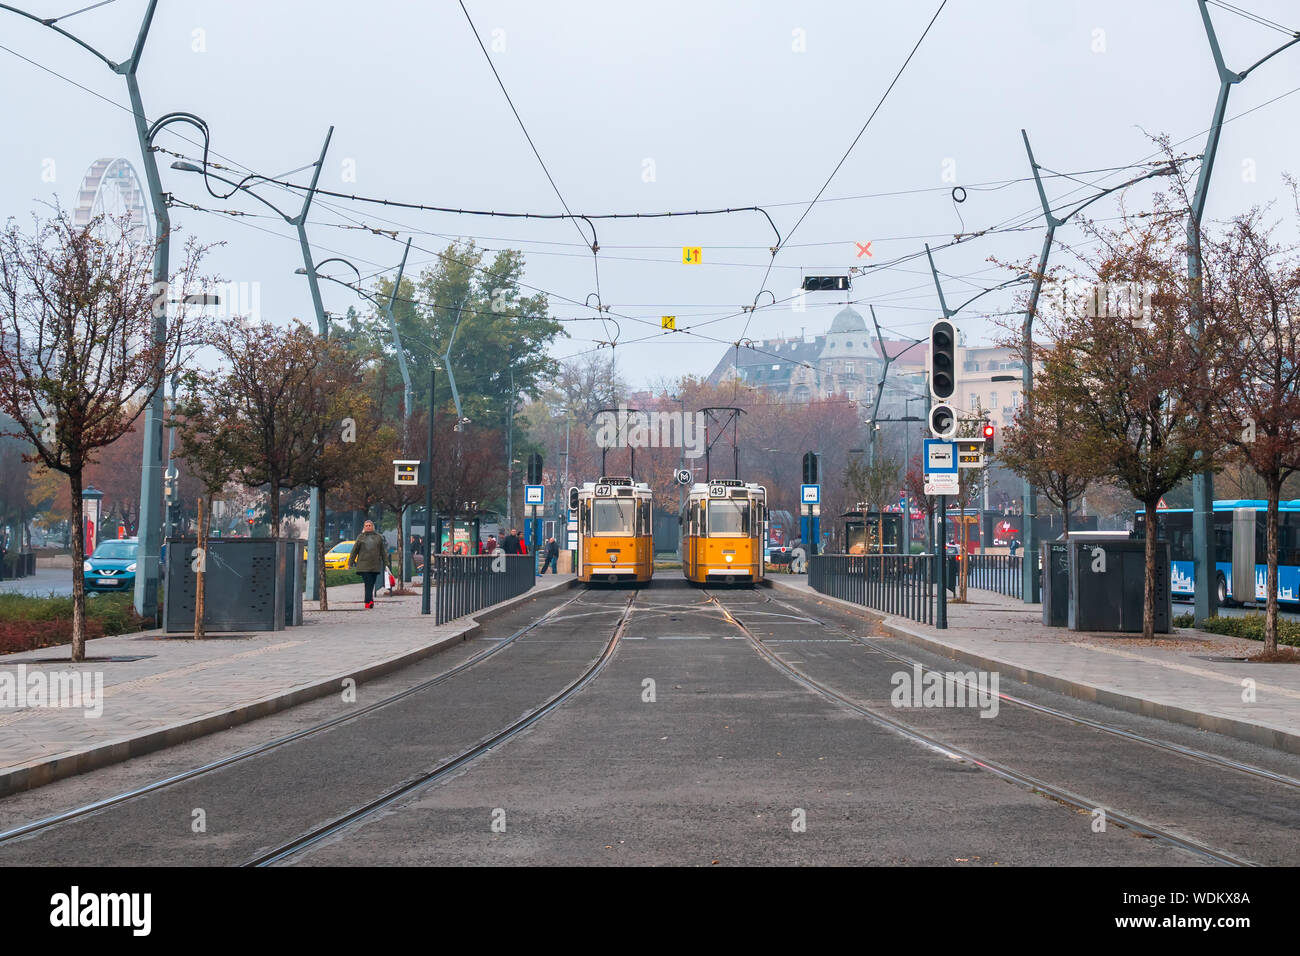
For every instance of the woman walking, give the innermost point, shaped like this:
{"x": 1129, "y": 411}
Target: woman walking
{"x": 369, "y": 557}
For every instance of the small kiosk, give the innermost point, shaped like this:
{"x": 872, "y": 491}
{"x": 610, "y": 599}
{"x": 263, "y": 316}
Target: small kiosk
{"x": 863, "y": 530}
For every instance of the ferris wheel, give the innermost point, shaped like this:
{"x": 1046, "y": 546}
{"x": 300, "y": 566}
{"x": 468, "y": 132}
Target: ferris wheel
{"x": 112, "y": 189}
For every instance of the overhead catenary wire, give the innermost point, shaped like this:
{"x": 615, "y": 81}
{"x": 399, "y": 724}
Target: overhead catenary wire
{"x": 874, "y": 267}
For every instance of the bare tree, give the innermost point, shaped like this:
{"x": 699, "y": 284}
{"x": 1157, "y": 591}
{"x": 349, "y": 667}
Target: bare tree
{"x": 1257, "y": 390}
{"x": 1140, "y": 381}
{"x": 80, "y": 353}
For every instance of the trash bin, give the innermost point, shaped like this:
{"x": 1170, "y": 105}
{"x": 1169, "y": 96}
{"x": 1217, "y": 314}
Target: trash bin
{"x": 1055, "y": 569}
{"x": 1106, "y": 585}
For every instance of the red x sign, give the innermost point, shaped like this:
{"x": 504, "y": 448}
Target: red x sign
{"x": 864, "y": 249}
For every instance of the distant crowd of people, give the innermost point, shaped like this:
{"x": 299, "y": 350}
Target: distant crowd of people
{"x": 512, "y": 543}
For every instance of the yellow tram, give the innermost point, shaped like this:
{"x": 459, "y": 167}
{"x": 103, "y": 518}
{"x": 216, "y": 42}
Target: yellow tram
{"x": 722, "y": 532}
{"x": 615, "y": 525}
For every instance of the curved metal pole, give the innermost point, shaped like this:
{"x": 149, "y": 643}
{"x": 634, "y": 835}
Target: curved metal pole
{"x": 47, "y": 22}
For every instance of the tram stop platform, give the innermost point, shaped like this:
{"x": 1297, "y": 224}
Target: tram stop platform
{"x": 1188, "y": 677}
{"x": 159, "y": 691}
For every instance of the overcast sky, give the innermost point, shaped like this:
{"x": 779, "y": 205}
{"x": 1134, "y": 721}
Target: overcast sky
{"x": 655, "y": 107}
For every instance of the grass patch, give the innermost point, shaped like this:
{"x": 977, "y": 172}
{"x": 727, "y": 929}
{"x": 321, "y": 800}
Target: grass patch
{"x": 1184, "y": 620}
{"x": 335, "y": 577}
{"x": 28, "y": 622}
{"x": 1251, "y": 627}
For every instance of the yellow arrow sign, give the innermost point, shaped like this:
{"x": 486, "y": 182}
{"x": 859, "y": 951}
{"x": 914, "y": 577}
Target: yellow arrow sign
{"x": 692, "y": 255}
{"x": 668, "y": 321}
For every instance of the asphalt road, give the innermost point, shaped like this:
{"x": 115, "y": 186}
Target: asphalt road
{"x": 689, "y": 748}
{"x": 43, "y": 583}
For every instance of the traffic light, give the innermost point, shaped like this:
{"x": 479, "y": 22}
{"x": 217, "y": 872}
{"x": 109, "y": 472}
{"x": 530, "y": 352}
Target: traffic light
{"x": 943, "y": 360}
{"x": 825, "y": 284}
{"x": 943, "y": 421}
{"x": 573, "y": 499}
{"x": 809, "y": 468}
{"x": 534, "y": 469}
{"x": 988, "y": 438}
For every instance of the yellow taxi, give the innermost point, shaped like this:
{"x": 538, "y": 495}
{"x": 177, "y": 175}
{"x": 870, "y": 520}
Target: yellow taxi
{"x": 336, "y": 558}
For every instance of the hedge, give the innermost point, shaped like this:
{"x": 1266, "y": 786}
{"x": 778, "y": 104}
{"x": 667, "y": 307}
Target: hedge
{"x": 1249, "y": 626}
{"x": 28, "y": 622}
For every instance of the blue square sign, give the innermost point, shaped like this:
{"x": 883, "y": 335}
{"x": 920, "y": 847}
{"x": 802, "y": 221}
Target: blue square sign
{"x": 534, "y": 494}
{"x": 810, "y": 494}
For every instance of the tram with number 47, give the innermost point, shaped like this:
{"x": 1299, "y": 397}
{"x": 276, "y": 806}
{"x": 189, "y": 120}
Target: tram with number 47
{"x": 723, "y": 532}
{"x": 615, "y": 530}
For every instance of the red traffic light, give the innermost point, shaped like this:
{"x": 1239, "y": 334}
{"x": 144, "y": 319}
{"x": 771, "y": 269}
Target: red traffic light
{"x": 988, "y": 430}
{"x": 250, "y": 520}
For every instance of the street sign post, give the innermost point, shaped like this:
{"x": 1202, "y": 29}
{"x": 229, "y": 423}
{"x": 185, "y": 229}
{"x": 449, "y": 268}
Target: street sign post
{"x": 940, "y": 457}
{"x": 534, "y": 494}
{"x": 810, "y": 494}
{"x": 942, "y": 484}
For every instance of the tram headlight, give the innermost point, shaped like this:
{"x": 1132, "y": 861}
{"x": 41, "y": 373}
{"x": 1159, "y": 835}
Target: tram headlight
{"x": 728, "y": 557}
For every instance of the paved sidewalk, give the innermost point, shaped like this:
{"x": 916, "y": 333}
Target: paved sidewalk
{"x": 176, "y": 690}
{"x": 1173, "y": 676}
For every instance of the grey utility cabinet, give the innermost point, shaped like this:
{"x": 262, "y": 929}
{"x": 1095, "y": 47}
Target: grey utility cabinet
{"x": 252, "y": 584}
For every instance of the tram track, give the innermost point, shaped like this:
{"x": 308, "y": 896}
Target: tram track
{"x": 450, "y": 766}
{"x": 1191, "y": 753}
{"x": 125, "y": 796}
{"x": 1011, "y": 775}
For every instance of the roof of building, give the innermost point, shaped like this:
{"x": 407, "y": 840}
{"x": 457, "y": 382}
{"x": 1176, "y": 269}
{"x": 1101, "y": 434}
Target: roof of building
{"x": 848, "y": 319}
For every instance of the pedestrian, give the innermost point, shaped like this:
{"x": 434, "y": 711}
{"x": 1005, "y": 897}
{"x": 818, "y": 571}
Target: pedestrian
{"x": 491, "y": 546}
{"x": 510, "y": 543}
{"x": 552, "y": 556}
{"x": 369, "y": 558}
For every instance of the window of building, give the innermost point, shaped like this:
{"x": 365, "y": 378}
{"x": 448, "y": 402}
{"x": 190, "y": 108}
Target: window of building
{"x": 974, "y": 402}
{"x": 993, "y": 399}
{"x": 849, "y": 393}
{"x": 848, "y": 345}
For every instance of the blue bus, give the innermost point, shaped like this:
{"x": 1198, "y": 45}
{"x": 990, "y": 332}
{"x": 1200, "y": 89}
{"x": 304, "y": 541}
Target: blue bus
{"x": 1240, "y": 545}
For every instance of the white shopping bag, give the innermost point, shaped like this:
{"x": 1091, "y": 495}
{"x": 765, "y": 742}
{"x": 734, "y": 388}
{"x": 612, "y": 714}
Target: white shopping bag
{"x": 390, "y": 582}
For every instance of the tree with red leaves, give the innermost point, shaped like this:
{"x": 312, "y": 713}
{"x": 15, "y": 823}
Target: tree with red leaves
{"x": 79, "y": 358}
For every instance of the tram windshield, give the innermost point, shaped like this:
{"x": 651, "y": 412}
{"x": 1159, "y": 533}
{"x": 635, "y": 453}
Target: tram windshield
{"x": 613, "y": 515}
{"x": 728, "y": 517}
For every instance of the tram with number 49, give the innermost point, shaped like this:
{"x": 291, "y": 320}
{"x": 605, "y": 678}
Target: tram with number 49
{"x": 615, "y": 530}
{"x": 723, "y": 532}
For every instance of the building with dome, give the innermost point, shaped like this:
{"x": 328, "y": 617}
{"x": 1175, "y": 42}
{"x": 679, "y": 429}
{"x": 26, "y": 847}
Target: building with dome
{"x": 846, "y": 361}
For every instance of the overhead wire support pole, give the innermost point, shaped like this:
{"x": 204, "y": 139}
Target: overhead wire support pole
{"x": 1030, "y": 583}
{"x": 300, "y": 222}
{"x": 149, "y": 530}
{"x": 1203, "y": 564}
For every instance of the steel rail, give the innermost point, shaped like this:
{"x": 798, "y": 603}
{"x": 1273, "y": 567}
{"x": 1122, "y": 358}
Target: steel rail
{"x": 444, "y": 769}
{"x": 1033, "y": 784}
{"x": 126, "y": 795}
{"x": 1191, "y": 753}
